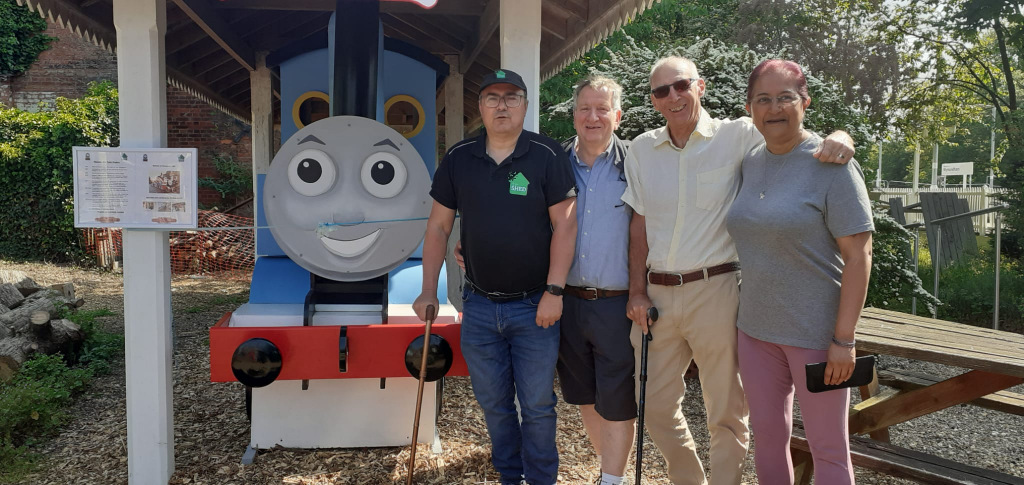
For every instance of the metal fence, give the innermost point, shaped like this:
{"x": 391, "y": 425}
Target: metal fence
{"x": 977, "y": 197}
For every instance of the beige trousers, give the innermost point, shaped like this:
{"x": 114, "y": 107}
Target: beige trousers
{"x": 697, "y": 322}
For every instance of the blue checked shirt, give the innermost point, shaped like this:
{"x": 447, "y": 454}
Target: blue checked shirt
{"x": 602, "y": 237}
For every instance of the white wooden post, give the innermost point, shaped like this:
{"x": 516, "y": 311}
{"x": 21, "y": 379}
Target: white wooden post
{"x": 878, "y": 175}
{"x": 519, "y": 24}
{"x": 262, "y": 102}
{"x": 917, "y": 165}
{"x": 935, "y": 165}
{"x": 142, "y": 89}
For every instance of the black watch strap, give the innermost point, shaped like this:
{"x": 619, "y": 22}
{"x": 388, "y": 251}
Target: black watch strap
{"x": 554, "y": 290}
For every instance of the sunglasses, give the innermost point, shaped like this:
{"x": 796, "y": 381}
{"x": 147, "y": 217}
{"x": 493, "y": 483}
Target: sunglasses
{"x": 680, "y": 86}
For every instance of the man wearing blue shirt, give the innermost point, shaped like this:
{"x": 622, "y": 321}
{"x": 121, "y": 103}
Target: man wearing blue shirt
{"x": 595, "y": 357}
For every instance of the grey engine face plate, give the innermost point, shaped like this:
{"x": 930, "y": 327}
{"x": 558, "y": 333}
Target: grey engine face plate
{"x": 347, "y": 198}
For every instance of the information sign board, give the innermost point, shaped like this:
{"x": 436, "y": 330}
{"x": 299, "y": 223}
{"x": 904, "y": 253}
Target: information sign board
{"x": 142, "y": 188}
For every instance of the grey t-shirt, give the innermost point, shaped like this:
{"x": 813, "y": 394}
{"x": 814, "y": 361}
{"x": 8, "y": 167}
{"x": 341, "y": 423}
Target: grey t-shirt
{"x": 786, "y": 241}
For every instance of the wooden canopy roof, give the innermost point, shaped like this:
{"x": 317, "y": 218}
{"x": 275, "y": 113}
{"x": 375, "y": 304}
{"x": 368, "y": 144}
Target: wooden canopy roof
{"x": 211, "y": 45}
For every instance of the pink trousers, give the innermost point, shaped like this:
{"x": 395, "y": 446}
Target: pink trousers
{"x": 770, "y": 374}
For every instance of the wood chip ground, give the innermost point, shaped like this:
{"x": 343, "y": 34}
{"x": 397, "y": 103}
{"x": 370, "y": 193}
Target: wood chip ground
{"x": 211, "y": 431}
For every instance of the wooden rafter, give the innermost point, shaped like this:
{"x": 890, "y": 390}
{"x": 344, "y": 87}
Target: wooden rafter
{"x": 445, "y": 7}
{"x": 218, "y": 29}
{"x": 487, "y": 25}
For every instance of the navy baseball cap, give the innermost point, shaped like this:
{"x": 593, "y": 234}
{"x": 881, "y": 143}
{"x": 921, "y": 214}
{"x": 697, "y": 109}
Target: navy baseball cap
{"x": 503, "y": 76}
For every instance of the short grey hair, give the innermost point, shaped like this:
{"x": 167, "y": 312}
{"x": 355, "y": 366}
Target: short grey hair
{"x": 672, "y": 60}
{"x": 598, "y": 83}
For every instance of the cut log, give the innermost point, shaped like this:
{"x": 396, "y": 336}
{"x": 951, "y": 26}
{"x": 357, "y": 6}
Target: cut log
{"x": 10, "y": 297}
{"x": 67, "y": 290}
{"x": 65, "y": 337}
{"x": 39, "y": 324}
{"x": 13, "y": 353}
{"x": 21, "y": 281}
{"x": 19, "y": 319}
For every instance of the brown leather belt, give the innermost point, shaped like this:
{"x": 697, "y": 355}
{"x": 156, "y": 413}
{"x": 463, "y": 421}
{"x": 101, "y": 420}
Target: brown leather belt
{"x": 680, "y": 279}
{"x": 592, "y": 293}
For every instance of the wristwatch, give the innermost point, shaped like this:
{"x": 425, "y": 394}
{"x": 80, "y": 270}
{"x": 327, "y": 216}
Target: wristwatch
{"x": 554, "y": 290}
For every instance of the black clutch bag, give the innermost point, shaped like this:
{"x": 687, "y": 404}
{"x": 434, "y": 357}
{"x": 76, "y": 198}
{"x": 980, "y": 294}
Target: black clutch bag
{"x": 862, "y": 375}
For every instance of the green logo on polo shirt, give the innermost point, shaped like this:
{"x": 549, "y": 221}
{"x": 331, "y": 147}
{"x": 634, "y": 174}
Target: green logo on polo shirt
{"x": 517, "y": 184}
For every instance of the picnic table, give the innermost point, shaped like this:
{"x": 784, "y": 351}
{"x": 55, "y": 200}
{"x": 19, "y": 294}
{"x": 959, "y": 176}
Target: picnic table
{"x": 994, "y": 361}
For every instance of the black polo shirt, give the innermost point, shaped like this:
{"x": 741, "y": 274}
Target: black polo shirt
{"x": 506, "y": 230}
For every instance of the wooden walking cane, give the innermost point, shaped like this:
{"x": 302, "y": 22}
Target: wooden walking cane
{"x": 652, "y": 315}
{"x": 431, "y": 313}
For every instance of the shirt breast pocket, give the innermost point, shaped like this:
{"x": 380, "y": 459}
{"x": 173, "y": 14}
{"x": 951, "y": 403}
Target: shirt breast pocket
{"x": 715, "y": 187}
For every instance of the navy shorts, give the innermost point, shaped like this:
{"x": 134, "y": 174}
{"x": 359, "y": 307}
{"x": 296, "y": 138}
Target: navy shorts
{"x": 595, "y": 356}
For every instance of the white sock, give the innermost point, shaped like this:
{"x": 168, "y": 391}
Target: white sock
{"x": 607, "y": 479}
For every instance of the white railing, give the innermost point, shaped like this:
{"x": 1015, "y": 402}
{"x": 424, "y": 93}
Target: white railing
{"x": 977, "y": 197}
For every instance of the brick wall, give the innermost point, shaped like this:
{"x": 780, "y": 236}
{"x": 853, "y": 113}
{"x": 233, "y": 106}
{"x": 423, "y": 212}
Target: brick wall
{"x": 67, "y": 67}
{"x": 193, "y": 123}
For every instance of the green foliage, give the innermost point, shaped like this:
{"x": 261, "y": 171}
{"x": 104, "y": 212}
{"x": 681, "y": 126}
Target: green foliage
{"x": 33, "y": 402}
{"x": 37, "y": 206}
{"x": 967, "y": 291}
{"x": 20, "y": 38}
{"x": 893, "y": 280}
{"x": 725, "y": 68}
{"x": 234, "y": 181}
{"x": 99, "y": 347}
{"x": 665, "y": 23}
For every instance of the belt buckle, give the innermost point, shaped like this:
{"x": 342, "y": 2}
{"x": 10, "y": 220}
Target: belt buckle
{"x": 677, "y": 275}
{"x": 595, "y": 293}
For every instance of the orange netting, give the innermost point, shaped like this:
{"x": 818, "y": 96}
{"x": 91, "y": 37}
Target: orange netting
{"x": 224, "y": 246}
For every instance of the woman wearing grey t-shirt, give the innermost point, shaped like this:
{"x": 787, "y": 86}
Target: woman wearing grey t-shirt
{"x": 803, "y": 233}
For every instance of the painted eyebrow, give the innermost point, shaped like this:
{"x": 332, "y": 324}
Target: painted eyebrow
{"x": 311, "y": 138}
{"x": 387, "y": 141}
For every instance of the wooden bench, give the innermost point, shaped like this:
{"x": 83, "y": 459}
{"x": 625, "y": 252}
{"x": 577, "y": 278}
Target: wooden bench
{"x": 904, "y": 380}
{"x": 898, "y": 462}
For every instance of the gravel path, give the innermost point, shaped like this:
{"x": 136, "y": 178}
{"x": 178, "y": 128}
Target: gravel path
{"x": 211, "y": 431}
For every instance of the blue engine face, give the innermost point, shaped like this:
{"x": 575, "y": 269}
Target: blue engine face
{"x": 353, "y": 206}
{"x": 347, "y": 198}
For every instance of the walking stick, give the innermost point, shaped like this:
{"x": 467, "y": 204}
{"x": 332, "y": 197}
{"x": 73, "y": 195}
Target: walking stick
{"x": 652, "y": 315}
{"x": 431, "y": 313}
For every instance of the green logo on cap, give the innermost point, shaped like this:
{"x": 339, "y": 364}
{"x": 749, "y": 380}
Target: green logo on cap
{"x": 517, "y": 184}
{"x": 499, "y": 74}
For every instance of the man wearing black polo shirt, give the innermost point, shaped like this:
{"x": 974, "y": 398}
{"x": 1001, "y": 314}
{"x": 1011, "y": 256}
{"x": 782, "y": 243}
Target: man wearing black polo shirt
{"x": 516, "y": 194}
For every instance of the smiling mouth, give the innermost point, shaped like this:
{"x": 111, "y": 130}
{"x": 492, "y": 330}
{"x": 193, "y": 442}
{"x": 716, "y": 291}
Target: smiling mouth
{"x": 676, "y": 110}
{"x": 350, "y": 248}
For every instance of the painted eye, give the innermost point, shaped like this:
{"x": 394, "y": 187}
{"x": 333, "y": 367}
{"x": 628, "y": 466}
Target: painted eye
{"x": 311, "y": 172}
{"x": 384, "y": 175}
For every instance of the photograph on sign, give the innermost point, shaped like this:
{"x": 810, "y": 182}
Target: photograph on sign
{"x": 135, "y": 188}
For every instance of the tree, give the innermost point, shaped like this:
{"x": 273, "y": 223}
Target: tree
{"x": 20, "y": 38}
{"x": 725, "y": 68}
{"x": 969, "y": 57}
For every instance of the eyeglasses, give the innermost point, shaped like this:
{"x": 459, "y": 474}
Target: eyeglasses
{"x": 511, "y": 100}
{"x": 680, "y": 86}
{"x": 782, "y": 100}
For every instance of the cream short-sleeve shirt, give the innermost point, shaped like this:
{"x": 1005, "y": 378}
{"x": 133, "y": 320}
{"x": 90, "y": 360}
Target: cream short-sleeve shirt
{"x": 685, "y": 193}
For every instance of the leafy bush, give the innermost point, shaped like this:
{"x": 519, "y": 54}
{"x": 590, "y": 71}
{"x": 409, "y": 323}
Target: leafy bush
{"x": 20, "y": 38}
{"x": 37, "y": 206}
{"x": 967, "y": 291}
{"x": 893, "y": 281}
{"x": 234, "y": 182}
{"x": 33, "y": 402}
{"x": 725, "y": 68}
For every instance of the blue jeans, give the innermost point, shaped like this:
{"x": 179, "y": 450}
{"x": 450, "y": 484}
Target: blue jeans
{"x": 509, "y": 355}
